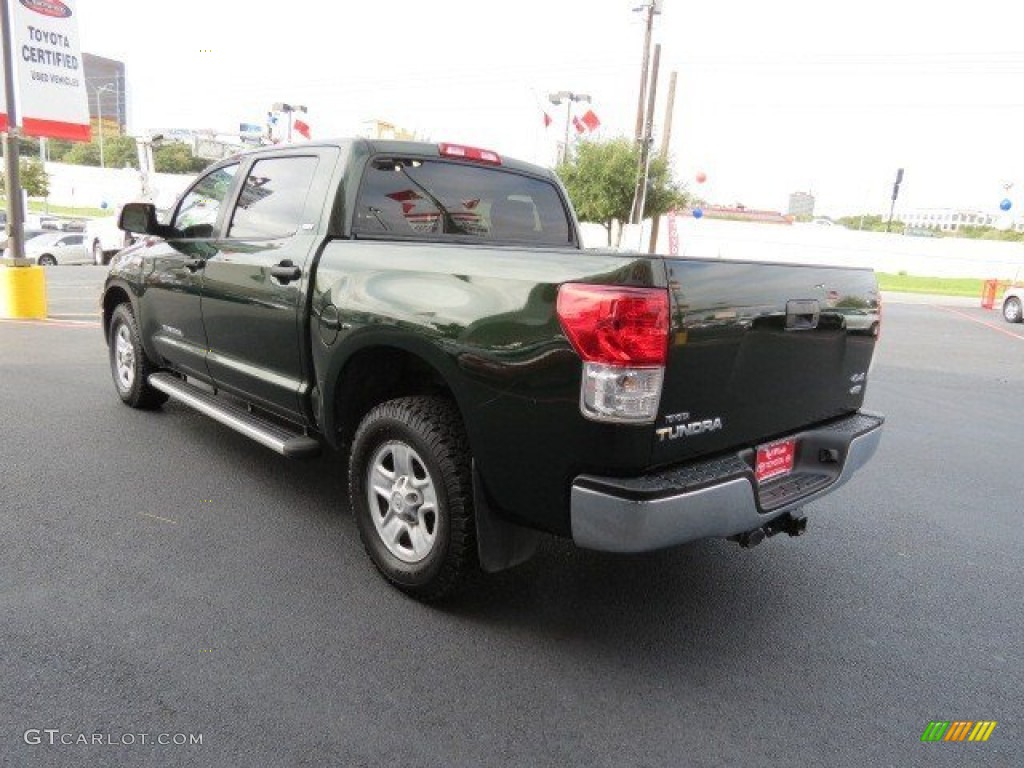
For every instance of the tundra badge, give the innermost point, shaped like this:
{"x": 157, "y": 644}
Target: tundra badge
{"x": 700, "y": 427}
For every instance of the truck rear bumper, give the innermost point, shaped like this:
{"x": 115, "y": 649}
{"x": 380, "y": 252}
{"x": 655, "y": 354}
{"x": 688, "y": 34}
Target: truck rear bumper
{"x": 718, "y": 497}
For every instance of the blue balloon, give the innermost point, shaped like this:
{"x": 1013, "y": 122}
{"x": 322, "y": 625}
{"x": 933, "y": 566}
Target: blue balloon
{"x": 103, "y": 205}
{"x": 1005, "y": 204}
{"x": 697, "y": 213}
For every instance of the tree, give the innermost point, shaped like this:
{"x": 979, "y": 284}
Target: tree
{"x": 601, "y": 179}
{"x": 120, "y": 152}
{"x": 177, "y": 157}
{"x": 34, "y": 180}
{"x": 57, "y": 149}
{"x": 84, "y": 154}
{"x": 28, "y": 146}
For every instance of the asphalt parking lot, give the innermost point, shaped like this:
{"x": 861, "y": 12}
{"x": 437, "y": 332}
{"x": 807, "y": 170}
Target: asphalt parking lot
{"x": 162, "y": 575}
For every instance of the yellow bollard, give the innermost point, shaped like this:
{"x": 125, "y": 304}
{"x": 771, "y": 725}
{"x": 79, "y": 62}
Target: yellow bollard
{"x": 22, "y": 293}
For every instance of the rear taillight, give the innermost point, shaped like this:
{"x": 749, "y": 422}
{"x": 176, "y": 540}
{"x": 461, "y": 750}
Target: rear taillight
{"x": 622, "y": 336}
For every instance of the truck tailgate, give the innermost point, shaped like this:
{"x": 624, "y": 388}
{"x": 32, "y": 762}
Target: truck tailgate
{"x": 758, "y": 351}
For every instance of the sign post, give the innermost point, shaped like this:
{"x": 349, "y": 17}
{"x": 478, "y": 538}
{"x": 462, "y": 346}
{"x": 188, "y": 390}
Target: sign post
{"x": 12, "y": 172}
{"x": 44, "y": 95}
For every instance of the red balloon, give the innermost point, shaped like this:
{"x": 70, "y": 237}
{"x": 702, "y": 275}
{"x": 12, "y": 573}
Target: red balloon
{"x": 701, "y": 177}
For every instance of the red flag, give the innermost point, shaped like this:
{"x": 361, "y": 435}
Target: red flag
{"x": 590, "y": 120}
{"x": 547, "y": 120}
{"x": 578, "y": 125}
{"x": 302, "y": 128}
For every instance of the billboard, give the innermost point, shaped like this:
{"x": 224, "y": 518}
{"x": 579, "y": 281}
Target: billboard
{"x": 49, "y": 70}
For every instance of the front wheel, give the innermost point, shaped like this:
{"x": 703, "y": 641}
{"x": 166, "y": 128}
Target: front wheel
{"x": 47, "y": 260}
{"x": 128, "y": 362}
{"x": 1012, "y": 310}
{"x": 97, "y": 254}
{"x": 412, "y": 495}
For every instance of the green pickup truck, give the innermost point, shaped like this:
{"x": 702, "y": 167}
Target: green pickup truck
{"x": 428, "y": 311}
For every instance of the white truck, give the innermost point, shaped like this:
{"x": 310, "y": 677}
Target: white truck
{"x": 103, "y": 238}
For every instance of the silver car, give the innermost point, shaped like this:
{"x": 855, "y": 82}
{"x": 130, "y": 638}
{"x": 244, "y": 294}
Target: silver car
{"x": 1013, "y": 301}
{"x": 55, "y": 248}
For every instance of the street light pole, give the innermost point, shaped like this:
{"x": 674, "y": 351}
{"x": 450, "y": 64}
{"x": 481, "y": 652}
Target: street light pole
{"x": 289, "y": 110}
{"x": 568, "y": 97}
{"x": 99, "y": 117}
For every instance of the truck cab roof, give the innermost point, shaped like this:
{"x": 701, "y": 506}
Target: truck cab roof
{"x": 393, "y": 147}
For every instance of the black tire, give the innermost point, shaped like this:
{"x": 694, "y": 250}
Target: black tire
{"x": 129, "y": 366}
{"x": 97, "y": 254}
{"x": 431, "y": 429}
{"x": 47, "y": 260}
{"x": 873, "y": 330}
{"x": 1012, "y": 310}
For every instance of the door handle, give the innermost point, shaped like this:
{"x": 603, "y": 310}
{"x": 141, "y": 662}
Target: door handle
{"x": 286, "y": 271}
{"x": 193, "y": 265}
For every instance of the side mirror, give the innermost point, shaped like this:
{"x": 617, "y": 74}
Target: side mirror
{"x": 139, "y": 218}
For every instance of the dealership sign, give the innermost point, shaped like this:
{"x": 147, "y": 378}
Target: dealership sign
{"x": 49, "y": 74}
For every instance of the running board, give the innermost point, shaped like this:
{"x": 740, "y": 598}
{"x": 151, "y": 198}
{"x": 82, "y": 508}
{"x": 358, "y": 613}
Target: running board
{"x": 286, "y": 442}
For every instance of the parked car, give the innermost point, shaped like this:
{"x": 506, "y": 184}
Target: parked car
{"x": 859, "y": 320}
{"x": 1013, "y": 302}
{"x": 429, "y": 310}
{"x": 53, "y": 248}
{"x": 29, "y": 234}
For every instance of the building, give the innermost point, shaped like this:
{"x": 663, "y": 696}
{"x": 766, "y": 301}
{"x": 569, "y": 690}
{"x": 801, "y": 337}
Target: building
{"x": 107, "y": 93}
{"x": 381, "y": 129}
{"x": 801, "y": 204}
{"x": 740, "y": 212}
{"x": 950, "y": 219}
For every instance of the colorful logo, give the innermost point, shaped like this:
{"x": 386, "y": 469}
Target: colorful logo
{"x": 54, "y": 8}
{"x": 958, "y": 730}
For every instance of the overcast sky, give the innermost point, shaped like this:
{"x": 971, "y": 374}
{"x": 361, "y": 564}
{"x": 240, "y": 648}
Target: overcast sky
{"x": 771, "y": 97}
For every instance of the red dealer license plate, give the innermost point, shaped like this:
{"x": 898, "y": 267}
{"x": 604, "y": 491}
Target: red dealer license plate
{"x": 775, "y": 460}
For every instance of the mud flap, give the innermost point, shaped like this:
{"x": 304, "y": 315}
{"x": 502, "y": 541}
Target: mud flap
{"x": 500, "y": 544}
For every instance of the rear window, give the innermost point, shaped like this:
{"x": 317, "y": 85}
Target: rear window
{"x": 434, "y": 199}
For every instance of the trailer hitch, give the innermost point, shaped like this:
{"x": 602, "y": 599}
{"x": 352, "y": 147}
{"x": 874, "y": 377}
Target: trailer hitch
{"x": 794, "y": 525}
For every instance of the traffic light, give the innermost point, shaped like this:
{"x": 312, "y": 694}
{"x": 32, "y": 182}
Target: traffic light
{"x": 896, "y": 186}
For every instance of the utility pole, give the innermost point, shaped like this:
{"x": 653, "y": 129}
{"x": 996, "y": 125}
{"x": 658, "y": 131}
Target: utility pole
{"x": 640, "y": 196}
{"x": 650, "y": 8}
{"x": 665, "y": 136}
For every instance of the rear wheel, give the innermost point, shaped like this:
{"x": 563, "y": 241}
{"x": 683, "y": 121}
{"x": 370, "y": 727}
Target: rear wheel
{"x": 411, "y": 493}
{"x": 97, "y": 254}
{"x": 47, "y": 260}
{"x": 1012, "y": 310}
{"x": 128, "y": 362}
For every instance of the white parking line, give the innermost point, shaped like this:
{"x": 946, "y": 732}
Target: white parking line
{"x": 53, "y": 323}
{"x": 161, "y": 519}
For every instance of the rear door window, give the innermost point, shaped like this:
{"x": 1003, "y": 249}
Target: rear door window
{"x": 433, "y": 199}
{"x": 273, "y": 198}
